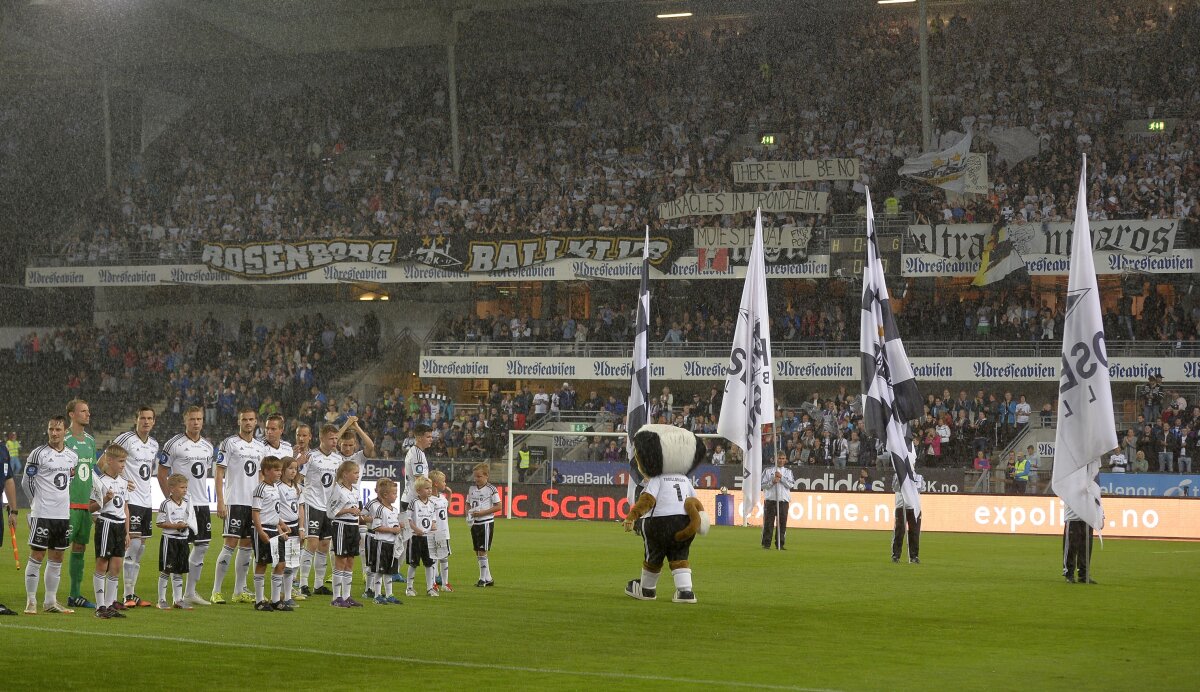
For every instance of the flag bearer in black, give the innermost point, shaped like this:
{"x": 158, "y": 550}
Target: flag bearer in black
{"x": 906, "y": 515}
{"x": 1077, "y": 548}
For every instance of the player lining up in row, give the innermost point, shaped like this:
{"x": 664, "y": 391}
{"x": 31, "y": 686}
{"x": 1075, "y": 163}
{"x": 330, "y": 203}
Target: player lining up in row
{"x": 183, "y": 465}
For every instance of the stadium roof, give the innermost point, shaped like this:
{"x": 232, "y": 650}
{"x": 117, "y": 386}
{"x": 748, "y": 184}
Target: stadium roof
{"x": 47, "y": 39}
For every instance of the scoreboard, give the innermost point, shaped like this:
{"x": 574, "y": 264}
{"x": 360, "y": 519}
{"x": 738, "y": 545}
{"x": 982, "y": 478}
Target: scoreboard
{"x": 847, "y": 255}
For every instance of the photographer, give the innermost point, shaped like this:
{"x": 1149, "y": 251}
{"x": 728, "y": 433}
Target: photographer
{"x": 1153, "y": 398}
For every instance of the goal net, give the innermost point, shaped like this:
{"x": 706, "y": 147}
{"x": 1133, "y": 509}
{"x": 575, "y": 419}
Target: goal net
{"x": 577, "y": 473}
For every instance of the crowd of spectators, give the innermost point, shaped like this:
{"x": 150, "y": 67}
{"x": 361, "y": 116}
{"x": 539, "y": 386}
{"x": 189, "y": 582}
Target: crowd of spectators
{"x": 1164, "y": 436}
{"x": 825, "y": 429}
{"x": 1016, "y": 314}
{"x": 270, "y": 367}
{"x": 588, "y": 132}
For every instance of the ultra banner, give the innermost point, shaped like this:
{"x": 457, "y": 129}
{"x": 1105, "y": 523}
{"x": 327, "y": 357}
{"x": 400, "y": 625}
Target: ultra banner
{"x": 965, "y": 242}
{"x": 450, "y": 253}
{"x": 752, "y": 172}
{"x": 475, "y": 361}
{"x": 774, "y": 201}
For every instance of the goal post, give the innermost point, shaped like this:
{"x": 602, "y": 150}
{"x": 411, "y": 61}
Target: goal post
{"x": 511, "y": 460}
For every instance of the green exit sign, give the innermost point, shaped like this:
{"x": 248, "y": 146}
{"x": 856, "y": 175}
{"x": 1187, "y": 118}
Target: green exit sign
{"x": 579, "y": 427}
{"x": 1150, "y": 127}
{"x": 767, "y": 140}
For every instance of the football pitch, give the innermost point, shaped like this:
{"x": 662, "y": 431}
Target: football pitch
{"x": 830, "y": 613}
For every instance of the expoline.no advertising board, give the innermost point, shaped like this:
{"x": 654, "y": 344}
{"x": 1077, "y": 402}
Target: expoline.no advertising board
{"x": 1129, "y": 517}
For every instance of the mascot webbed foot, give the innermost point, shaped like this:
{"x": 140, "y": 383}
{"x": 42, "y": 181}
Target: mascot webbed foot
{"x": 684, "y": 597}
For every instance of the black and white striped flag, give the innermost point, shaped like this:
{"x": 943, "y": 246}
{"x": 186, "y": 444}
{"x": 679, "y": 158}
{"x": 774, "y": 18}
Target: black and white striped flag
{"x": 890, "y": 396}
{"x": 637, "y": 410}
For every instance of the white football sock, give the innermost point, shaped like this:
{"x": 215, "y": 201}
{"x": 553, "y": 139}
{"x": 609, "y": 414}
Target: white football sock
{"x": 195, "y": 566}
{"x": 241, "y": 568}
{"x": 649, "y": 580}
{"x": 99, "y": 584}
{"x": 53, "y": 574}
{"x": 33, "y": 570}
{"x": 306, "y": 564}
{"x": 223, "y": 561}
{"x": 133, "y": 564}
{"x": 320, "y": 563}
{"x": 683, "y": 579}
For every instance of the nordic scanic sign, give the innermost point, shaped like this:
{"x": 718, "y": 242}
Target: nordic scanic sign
{"x": 774, "y": 201}
{"x": 752, "y": 172}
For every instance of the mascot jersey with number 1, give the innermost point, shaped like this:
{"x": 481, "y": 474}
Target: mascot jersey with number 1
{"x": 667, "y": 514}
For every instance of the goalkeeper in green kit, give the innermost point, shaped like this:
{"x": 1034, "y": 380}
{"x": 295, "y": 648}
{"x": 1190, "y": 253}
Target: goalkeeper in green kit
{"x": 84, "y": 445}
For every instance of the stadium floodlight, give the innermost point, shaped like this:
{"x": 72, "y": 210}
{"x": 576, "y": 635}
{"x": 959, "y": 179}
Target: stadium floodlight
{"x": 895, "y": 2}
{"x": 674, "y": 15}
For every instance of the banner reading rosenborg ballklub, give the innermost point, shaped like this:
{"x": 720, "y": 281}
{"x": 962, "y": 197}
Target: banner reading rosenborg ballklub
{"x": 475, "y": 363}
{"x": 783, "y": 267}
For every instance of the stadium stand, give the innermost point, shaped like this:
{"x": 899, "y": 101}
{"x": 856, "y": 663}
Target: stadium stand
{"x": 577, "y": 147}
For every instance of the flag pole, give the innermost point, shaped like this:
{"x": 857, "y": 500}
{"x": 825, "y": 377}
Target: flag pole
{"x": 637, "y": 410}
{"x": 778, "y": 503}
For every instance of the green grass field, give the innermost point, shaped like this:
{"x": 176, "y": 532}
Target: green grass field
{"x": 830, "y": 613}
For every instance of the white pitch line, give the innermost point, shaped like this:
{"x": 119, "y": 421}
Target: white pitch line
{"x": 423, "y": 661}
{"x": 1173, "y": 552}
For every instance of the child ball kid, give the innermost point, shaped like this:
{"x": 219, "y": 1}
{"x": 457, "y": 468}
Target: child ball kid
{"x": 422, "y": 519}
{"x": 268, "y": 527}
{"x": 175, "y": 518}
{"x": 345, "y": 508}
{"x": 109, "y": 504}
{"x": 368, "y": 546}
{"x": 386, "y": 530}
{"x": 291, "y": 514}
{"x": 439, "y": 545}
{"x": 483, "y": 503}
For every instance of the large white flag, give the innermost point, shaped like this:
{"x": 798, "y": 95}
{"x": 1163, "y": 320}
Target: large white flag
{"x": 890, "y": 395}
{"x": 637, "y": 411}
{"x": 1086, "y": 425}
{"x": 954, "y": 168}
{"x": 749, "y": 399}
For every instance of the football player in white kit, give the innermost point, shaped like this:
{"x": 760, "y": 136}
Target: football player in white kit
{"x": 45, "y": 478}
{"x": 140, "y": 466}
{"x": 320, "y": 474}
{"x": 416, "y": 464}
{"x": 189, "y": 454}
{"x": 236, "y": 477}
